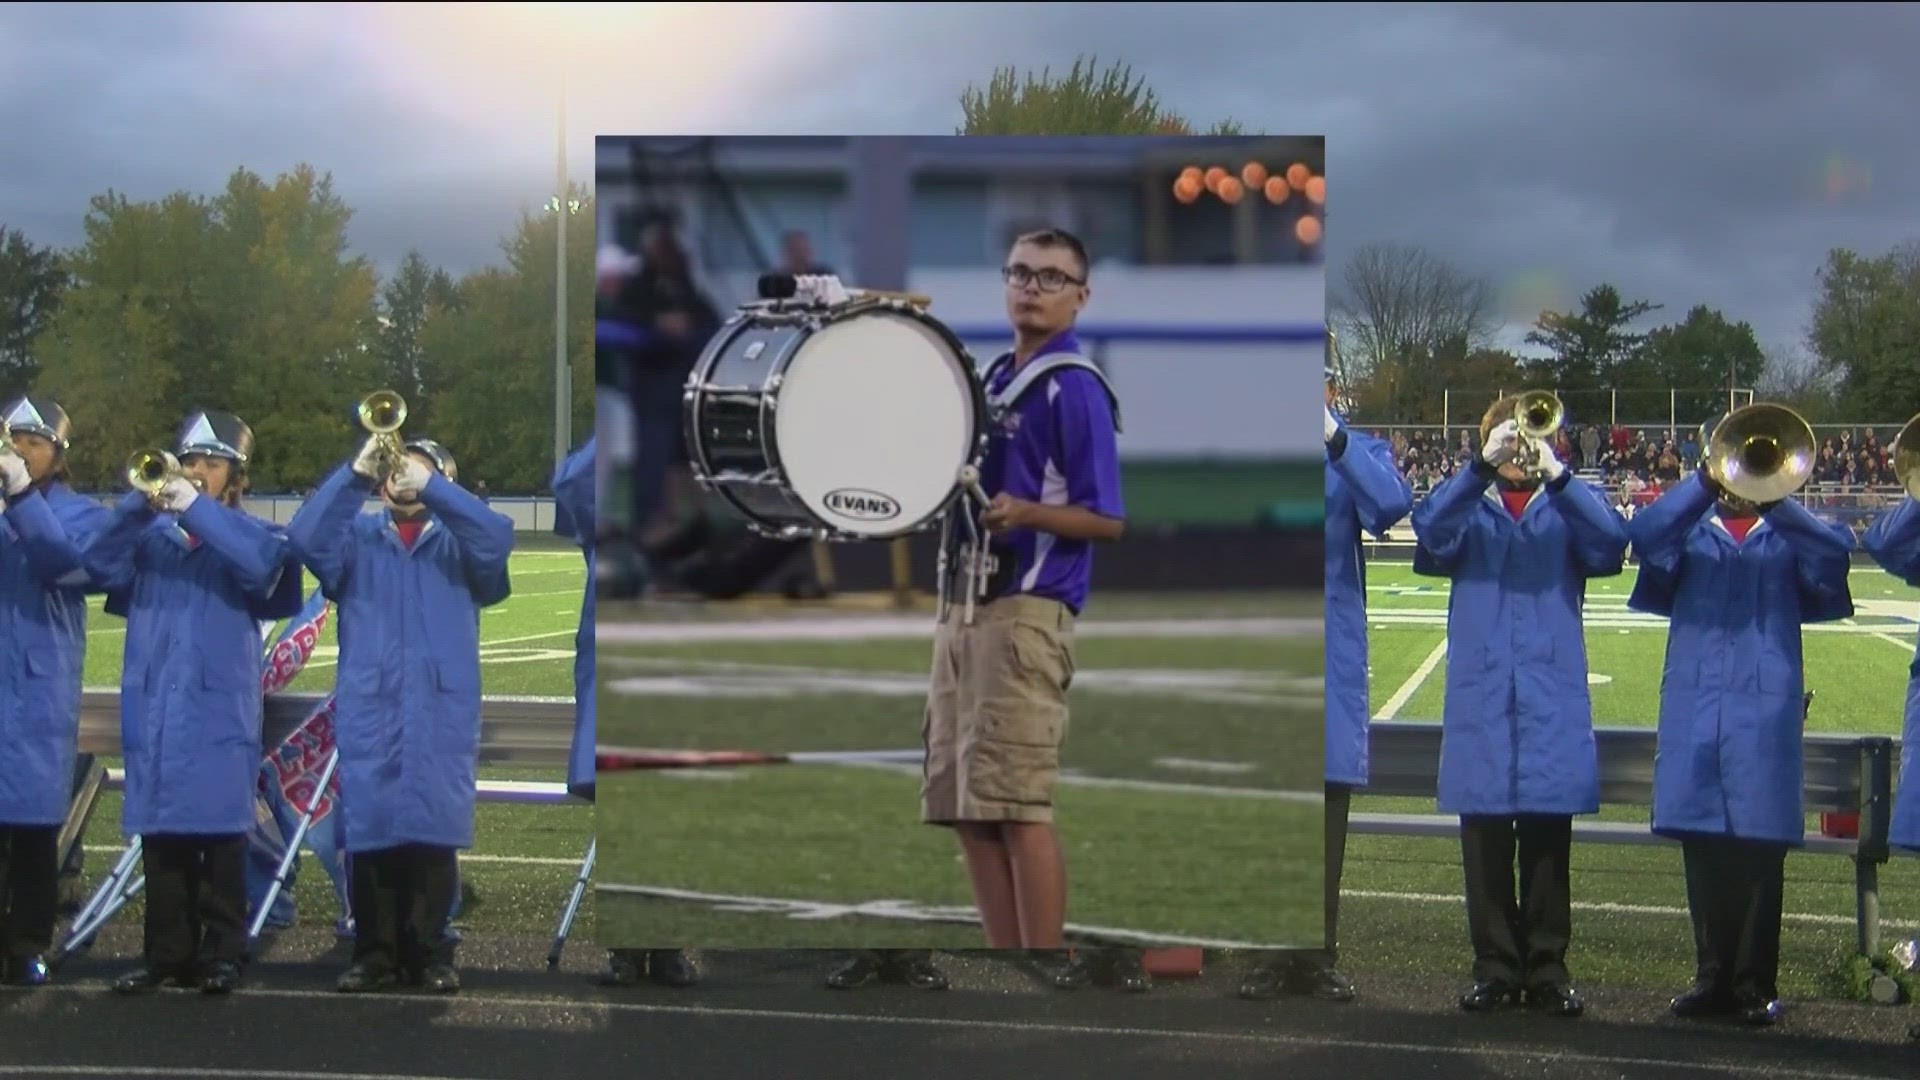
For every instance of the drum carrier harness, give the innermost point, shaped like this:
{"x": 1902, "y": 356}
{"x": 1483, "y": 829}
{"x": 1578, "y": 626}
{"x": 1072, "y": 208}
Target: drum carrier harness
{"x": 978, "y": 563}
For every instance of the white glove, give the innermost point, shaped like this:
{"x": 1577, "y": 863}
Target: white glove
{"x": 1503, "y": 444}
{"x": 820, "y": 289}
{"x": 1333, "y": 426}
{"x": 1550, "y": 464}
{"x": 177, "y": 495}
{"x": 371, "y": 459}
{"x": 409, "y": 478}
{"x": 14, "y": 470}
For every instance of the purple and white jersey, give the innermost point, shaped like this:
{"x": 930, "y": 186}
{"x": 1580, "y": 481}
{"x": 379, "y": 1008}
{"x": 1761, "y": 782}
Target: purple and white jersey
{"x": 1057, "y": 447}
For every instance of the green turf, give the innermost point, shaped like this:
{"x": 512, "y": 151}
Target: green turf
{"x": 1134, "y": 860}
{"x": 1404, "y": 907}
{"x": 1215, "y": 492}
{"x": 1184, "y": 862}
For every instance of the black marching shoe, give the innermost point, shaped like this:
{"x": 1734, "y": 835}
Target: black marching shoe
{"x": 222, "y": 977}
{"x": 914, "y": 969}
{"x": 1263, "y": 984}
{"x": 1322, "y": 981}
{"x": 1489, "y": 997}
{"x": 364, "y": 978}
{"x": 1128, "y": 970}
{"x": 1072, "y": 970}
{"x": 440, "y": 979}
{"x": 1757, "y": 1011}
{"x": 24, "y": 971}
{"x": 1702, "y": 1000}
{"x": 1562, "y": 1001}
{"x": 145, "y": 980}
{"x": 625, "y": 967}
{"x": 859, "y": 971}
{"x": 672, "y": 967}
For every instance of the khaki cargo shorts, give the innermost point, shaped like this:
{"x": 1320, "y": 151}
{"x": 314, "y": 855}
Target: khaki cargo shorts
{"x": 997, "y": 712}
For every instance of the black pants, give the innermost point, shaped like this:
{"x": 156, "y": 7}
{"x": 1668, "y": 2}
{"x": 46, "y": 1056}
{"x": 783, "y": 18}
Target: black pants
{"x": 402, "y": 901}
{"x": 1519, "y": 940}
{"x": 1339, "y": 802}
{"x": 196, "y": 895}
{"x": 29, "y": 889}
{"x": 1734, "y": 892}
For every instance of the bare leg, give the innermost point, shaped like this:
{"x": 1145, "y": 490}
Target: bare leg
{"x": 1039, "y": 883}
{"x": 993, "y": 882}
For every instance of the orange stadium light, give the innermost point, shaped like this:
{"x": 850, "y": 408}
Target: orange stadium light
{"x": 1308, "y": 230}
{"x": 1192, "y": 172}
{"x": 1277, "y": 189}
{"x": 1297, "y": 174}
{"x": 1187, "y": 188}
{"x": 1214, "y": 176}
{"x": 1317, "y": 189}
{"x": 1230, "y": 190}
{"x": 1253, "y": 174}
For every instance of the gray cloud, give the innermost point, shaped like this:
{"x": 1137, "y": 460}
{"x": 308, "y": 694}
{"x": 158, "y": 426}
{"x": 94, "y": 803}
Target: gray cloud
{"x": 1673, "y": 150}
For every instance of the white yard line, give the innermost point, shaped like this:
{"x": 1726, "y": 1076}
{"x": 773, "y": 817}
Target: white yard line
{"x": 1412, "y": 686}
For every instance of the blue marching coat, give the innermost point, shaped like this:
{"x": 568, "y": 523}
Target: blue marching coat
{"x": 190, "y": 705}
{"x": 1894, "y": 542}
{"x": 573, "y": 518}
{"x": 1364, "y": 491}
{"x": 1517, "y": 731}
{"x": 1732, "y": 716}
{"x": 407, "y": 693}
{"x": 43, "y": 614}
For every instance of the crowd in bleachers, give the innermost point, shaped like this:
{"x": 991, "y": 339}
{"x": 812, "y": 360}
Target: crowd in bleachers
{"x": 1636, "y": 464}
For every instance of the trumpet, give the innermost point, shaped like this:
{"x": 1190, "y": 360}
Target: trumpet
{"x": 1906, "y": 457}
{"x": 1760, "y": 453}
{"x": 1538, "y": 414}
{"x": 381, "y": 413}
{"x": 150, "y": 470}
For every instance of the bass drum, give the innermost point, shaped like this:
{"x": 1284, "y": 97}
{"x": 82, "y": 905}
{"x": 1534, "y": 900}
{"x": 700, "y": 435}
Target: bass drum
{"x": 848, "y": 424}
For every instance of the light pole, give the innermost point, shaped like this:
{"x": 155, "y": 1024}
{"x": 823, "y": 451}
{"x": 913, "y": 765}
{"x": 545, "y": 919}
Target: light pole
{"x": 563, "y": 208}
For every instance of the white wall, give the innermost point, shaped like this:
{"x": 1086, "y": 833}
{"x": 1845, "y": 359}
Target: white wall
{"x": 1178, "y": 399}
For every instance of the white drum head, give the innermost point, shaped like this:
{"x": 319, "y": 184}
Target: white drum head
{"x": 874, "y": 420}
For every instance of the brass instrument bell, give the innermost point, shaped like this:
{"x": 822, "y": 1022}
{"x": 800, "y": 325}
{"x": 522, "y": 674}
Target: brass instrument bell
{"x": 1761, "y": 453}
{"x": 1538, "y": 414}
{"x": 381, "y": 413}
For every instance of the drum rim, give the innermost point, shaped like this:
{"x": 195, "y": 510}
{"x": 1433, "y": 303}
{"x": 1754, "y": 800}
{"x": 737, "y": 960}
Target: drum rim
{"x": 699, "y": 383}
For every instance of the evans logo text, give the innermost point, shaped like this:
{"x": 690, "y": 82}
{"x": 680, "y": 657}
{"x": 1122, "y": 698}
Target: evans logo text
{"x": 862, "y": 505}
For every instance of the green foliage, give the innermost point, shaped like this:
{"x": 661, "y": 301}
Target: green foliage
{"x": 1084, "y": 101}
{"x": 1854, "y": 976}
{"x": 491, "y": 351}
{"x": 32, "y": 281}
{"x": 1703, "y": 352}
{"x": 1866, "y": 323}
{"x": 249, "y": 301}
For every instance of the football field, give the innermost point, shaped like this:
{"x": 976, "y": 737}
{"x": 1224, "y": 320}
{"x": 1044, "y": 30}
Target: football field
{"x": 1186, "y": 810}
{"x": 525, "y": 857}
{"x": 1403, "y": 907}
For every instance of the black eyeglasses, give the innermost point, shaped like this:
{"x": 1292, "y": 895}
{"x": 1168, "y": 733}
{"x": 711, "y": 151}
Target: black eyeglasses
{"x": 1050, "y": 280}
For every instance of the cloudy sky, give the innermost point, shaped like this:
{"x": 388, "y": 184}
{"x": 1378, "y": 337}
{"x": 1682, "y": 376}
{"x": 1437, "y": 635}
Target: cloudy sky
{"x": 1687, "y": 153}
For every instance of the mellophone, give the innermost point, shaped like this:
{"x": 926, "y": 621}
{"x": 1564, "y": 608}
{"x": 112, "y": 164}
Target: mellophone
{"x": 853, "y": 420}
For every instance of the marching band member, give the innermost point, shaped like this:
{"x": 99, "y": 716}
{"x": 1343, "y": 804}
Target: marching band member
{"x": 194, "y": 575}
{"x": 1517, "y": 756}
{"x": 1365, "y": 491}
{"x": 1736, "y": 583}
{"x": 997, "y": 703}
{"x": 43, "y": 613}
{"x": 1894, "y": 542}
{"x": 410, "y": 581}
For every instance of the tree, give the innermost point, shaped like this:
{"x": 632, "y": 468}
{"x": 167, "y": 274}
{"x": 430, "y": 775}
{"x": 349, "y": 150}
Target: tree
{"x": 1699, "y": 354}
{"x": 1592, "y": 347}
{"x": 1081, "y": 102}
{"x": 1866, "y": 331}
{"x": 418, "y": 293}
{"x": 1403, "y": 318}
{"x": 246, "y": 302}
{"x": 32, "y": 280}
{"x": 493, "y": 350}
{"x": 1795, "y": 380}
